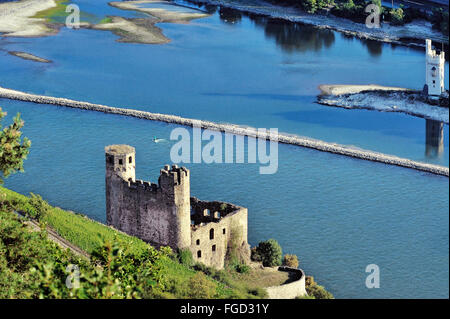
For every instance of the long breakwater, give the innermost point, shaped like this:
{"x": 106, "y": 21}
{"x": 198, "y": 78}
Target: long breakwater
{"x": 232, "y": 129}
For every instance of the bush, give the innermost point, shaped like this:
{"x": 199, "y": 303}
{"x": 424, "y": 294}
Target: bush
{"x": 440, "y": 20}
{"x": 199, "y": 287}
{"x": 290, "y": 261}
{"x": 315, "y": 290}
{"x": 185, "y": 257}
{"x": 258, "y": 292}
{"x": 309, "y": 6}
{"x": 397, "y": 16}
{"x": 255, "y": 256}
{"x": 242, "y": 268}
{"x": 38, "y": 207}
{"x": 270, "y": 253}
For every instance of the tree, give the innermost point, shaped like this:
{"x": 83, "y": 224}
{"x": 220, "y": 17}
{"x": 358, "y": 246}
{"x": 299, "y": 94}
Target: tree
{"x": 13, "y": 151}
{"x": 397, "y": 16}
{"x": 309, "y": 6}
{"x": 270, "y": 253}
{"x": 290, "y": 261}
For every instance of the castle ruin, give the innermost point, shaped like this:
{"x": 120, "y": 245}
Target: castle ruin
{"x": 164, "y": 214}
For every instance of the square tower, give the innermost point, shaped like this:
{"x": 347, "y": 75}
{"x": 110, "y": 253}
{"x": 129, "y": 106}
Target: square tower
{"x": 434, "y": 72}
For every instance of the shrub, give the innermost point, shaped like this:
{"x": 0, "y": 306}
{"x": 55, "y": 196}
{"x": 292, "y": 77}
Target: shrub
{"x": 242, "y": 268}
{"x": 38, "y": 207}
{"x": 270, "y": 253}
{"x": 397, "y": 16}
{"x": 185, "y": 257}
{"x": 309, "y": 6}
{"x": 258, "y": 292}
{"x": 315, "y": 290}
{"x": 200, "y": 287}
{"x": 255, "y": 256}
{"x": 290, "y": 261}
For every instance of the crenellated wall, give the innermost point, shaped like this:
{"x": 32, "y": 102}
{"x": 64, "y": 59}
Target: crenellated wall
{"x": 157, "y": 213}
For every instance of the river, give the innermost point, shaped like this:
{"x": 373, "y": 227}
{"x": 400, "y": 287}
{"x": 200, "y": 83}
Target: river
{"x": 336, "y": 213}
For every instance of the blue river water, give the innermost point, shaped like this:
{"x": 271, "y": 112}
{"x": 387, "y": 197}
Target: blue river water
{"x": 336, "y": 213}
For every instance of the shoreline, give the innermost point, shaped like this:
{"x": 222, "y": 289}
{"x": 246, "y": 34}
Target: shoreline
{"x": 16, "y": 19}
{"x": 233, "y": 129}
{"x": 383, "y": 99}
{"x": 417, "y": 30}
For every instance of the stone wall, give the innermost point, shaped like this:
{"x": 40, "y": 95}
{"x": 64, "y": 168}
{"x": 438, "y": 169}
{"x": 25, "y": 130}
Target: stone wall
{"x": 216, "y": 226}
{"x": 291, "y": 290}
{"x": 157, "y": 213}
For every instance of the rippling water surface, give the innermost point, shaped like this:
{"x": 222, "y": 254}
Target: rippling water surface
{"x": 336, "y": 213}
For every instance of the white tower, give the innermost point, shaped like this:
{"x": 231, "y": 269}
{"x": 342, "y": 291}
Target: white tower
{"x": 434, "y": 70}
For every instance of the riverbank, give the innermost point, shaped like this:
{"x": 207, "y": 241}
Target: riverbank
{"x": 162, "y": 15}
{"x": 417, "y": 29}
{"x": 144, "y": 30}
{"x": 17, "y": 18}
{"x": 232, "y": 129}
{"x": 381, "y": 98}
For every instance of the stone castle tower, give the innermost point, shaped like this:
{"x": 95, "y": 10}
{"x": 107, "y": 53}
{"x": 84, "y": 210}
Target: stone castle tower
{"x": 164, "y": 214}
{"x": 434, "y": 72}
{"x": 158, "y": 214}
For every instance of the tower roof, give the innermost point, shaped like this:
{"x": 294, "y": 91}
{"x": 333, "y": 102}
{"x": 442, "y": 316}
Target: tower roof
{"x": 119, "y": 149}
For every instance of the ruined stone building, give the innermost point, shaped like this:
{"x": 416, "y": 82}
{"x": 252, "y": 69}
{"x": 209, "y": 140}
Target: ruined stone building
{"x": 165, "y": 214}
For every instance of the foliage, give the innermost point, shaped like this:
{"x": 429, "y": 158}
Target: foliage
{"x": 199, "y": 287}
{"x": 440, "y": 20}
{"x": 290, "y": 261}
{"x": 105, "y": 20}
{"x": 397, "y": 16}
{"x": 13, "y": 151}
{"x": 185, "y": 257}
{"x": 254, "y": 255}
{"x": 269, "y": 252}
{"x": 167, "y": 278}
{"x": 315, "y": 290}
{"x": 309, "y": 6}
{"x": 39, "y": 208}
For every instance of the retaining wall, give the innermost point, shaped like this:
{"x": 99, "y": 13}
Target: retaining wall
{"x": 291, "y": 290}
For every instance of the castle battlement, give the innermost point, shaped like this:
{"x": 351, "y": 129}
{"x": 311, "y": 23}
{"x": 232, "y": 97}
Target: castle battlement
{"x": 164, "y": 214}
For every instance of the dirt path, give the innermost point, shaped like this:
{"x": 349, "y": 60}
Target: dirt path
{"x": 56, "y": 238}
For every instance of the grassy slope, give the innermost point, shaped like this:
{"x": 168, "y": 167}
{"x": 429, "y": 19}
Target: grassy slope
{"x": 89, "y": 234}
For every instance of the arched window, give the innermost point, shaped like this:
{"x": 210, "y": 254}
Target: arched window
{"x": 211, "y": 234}
{"x": 433, "y": 72}
{"x": 130, "y": 159}
{"x": 199, "y": 254}
{"x": 213, "y": 247}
